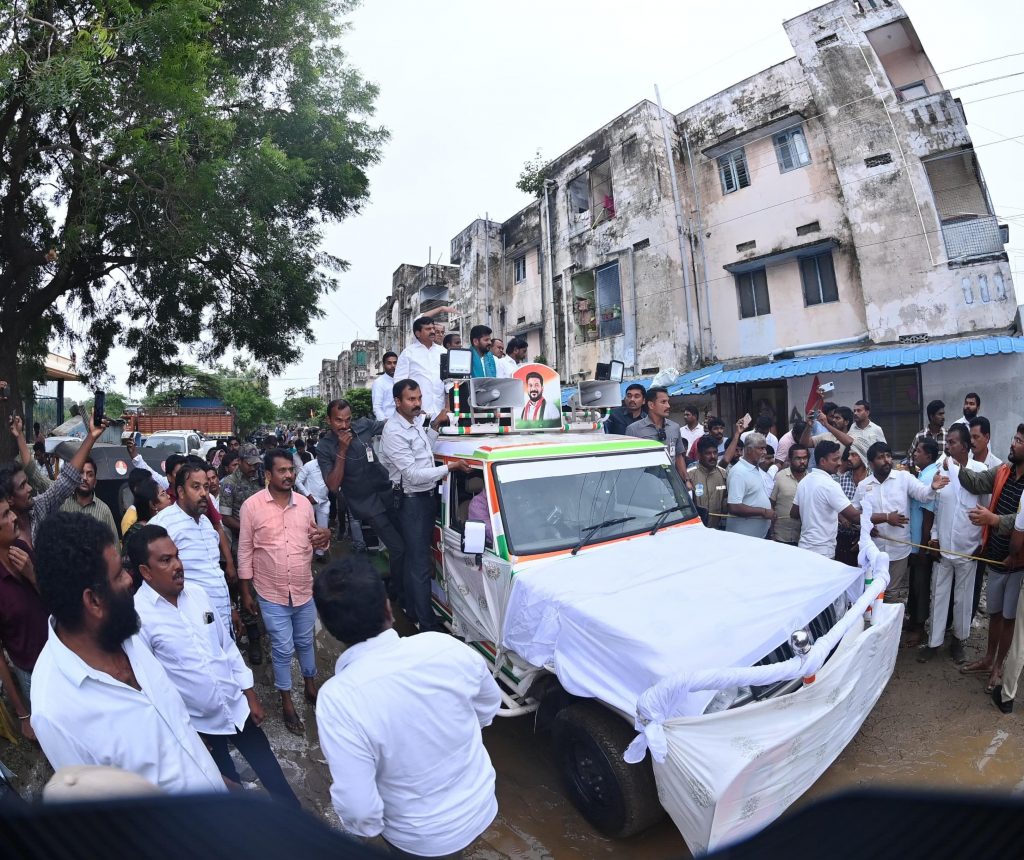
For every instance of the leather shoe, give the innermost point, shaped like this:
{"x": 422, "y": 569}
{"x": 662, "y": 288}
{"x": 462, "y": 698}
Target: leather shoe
{"x": 997, "y": 700}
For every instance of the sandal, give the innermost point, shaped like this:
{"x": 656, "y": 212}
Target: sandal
{"x": 296, "y": 727}
{"x": 978, "y": 667}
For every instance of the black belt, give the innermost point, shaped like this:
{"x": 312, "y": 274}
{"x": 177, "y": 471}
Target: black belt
{"x": 422, "y": 493}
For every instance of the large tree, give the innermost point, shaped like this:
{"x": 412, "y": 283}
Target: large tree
{"x": 165, "y": 170}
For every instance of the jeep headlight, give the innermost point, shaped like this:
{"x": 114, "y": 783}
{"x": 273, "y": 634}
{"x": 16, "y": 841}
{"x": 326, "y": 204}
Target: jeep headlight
{"x": 730, "y": 697}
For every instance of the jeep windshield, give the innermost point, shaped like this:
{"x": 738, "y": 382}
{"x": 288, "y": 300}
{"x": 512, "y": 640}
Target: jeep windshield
{"x": 550, "y": 505}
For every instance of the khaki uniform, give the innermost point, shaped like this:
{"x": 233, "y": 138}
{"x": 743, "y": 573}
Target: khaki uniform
{"x": 715, "y": 495}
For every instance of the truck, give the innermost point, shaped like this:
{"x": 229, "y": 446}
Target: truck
{"x": 677, "y": 668}
{"x": 213, "y": 422}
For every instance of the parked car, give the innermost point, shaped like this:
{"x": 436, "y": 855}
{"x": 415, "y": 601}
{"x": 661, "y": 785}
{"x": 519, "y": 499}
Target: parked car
{"x": 179, "y": 441}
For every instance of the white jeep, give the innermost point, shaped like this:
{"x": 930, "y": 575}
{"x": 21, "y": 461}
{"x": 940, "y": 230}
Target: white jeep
{"x": 610, "y": 612}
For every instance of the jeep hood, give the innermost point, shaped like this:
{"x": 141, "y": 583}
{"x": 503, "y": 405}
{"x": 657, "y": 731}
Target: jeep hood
{"x": 614, "y": 619}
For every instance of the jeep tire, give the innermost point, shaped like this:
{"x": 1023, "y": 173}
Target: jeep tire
{"x": 617, "y": 798}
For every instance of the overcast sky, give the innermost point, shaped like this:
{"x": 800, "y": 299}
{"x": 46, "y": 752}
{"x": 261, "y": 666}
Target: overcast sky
{"x": 470, "y": 90}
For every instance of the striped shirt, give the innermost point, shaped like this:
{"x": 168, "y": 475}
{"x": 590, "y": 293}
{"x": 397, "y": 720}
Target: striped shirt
{"x": 46, "y": 503}
{"x": 198, "y": 546}
{"x": 95, "y": 508}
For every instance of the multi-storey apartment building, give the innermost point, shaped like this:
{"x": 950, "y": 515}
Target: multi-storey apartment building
{"x": 825, "y": 217}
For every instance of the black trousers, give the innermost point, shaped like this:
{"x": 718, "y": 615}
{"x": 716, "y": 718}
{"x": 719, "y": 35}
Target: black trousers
{"x": 388, "y": 528}
{"x": 919, "y": 603}
{"x": 255, "y": 749}
{"x": 417, "y": 516}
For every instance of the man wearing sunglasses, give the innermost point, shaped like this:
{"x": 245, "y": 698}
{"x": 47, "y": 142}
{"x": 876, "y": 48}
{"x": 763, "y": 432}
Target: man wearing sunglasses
{"x": 657, "y": 425}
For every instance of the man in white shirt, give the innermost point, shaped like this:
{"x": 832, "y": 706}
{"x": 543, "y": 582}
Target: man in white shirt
{"x": 691, "y": 429}
{"x": 195, "y": 537}
{"x": 184, "y": 633}
{"x": 972, "y": 403}
{"x": 98, "y": 695}
{"x": 421, "y": 362}
{"x": 820, "y": 501}
{"x": 953, "y": 531}
{"x": 891, "y": 491}
{"x": 981, "y": 437}
{"x": 383, "y": 399}
{"x": 505, "y": 365}
{"x": 863, "y": 429}
{"x": 309, "y": 481}
{"x": 407, "y": 449}
{"x": 409, "y": 768}
{"x": 750, "y": 508}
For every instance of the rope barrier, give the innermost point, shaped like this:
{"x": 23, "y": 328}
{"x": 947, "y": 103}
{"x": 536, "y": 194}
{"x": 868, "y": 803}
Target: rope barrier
{"x": 894, "y": 540}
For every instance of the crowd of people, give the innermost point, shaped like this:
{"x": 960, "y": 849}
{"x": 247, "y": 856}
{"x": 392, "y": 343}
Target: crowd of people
{"x": 133, "y": 643}
{"x": 948, "y": 516}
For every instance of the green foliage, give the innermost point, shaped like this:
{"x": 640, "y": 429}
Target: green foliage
{"x": 531, "y": 180}
{"x": 113, "y": 407}
{"x": 361, "y": 400}
{"x": 306, "y": 410}
{"x": 166, "y": 170}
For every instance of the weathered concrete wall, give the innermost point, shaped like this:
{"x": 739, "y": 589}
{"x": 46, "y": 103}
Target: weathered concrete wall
{"x": 907, "y": 285}
{"x": 643, "y": 217}
{"x": 477, "y": 256}
{"x": 996, "y": 378}
{"x": 763, "y": 218}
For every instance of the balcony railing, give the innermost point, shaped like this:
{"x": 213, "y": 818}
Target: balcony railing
{"x": 971, "y": 238}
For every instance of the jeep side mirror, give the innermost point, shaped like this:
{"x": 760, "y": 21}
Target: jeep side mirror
{"x": 473, "y": 538}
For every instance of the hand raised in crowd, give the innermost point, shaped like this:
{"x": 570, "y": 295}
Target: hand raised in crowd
{"x": 17, "y": 425}
{"x": 939, "y": 481}
{"x": 132, "y": 450}
{"x": 94, "y": 431}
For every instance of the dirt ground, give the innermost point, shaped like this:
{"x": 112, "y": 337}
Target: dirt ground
{"x": 932, "y": 727}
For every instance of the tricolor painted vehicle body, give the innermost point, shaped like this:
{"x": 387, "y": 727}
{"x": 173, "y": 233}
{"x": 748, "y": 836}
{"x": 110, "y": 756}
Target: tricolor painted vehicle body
{"x": 578, "y": 631}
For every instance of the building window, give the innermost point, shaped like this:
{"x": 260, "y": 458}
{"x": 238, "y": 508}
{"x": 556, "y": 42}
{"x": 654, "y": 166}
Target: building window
{"x": 360, "y": 358}
{"x": 752, "y": 288}
{"x": 597, "y": 303}
{"x": 912, "y": 91}
{"x": 601, "y": 197}
{"x": 819, "y": 279}
{"x": 896, "y": 407}
{"x": 791, "y": 149}
{"x": 732, "y": 168}
{"x": 590, "y": 197}
{"x": 519, "y": 269}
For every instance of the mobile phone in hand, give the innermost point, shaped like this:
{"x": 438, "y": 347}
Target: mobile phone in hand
{"x": 99, "y": 404}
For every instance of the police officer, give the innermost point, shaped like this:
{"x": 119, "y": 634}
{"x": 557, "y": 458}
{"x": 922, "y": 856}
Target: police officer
{"x": 234, "y": 490}
{"x": 407, "y": 447}
{"x": 349, "y": 465}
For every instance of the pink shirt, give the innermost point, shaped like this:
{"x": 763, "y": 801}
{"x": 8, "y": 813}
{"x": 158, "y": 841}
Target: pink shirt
{"x": 274, "y": 549}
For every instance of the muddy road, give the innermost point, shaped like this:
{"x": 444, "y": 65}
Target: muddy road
{"x": 932, "y": 727}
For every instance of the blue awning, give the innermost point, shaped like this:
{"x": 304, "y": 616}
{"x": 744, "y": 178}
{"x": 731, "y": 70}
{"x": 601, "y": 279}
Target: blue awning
{"x": 862, "y": 359}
